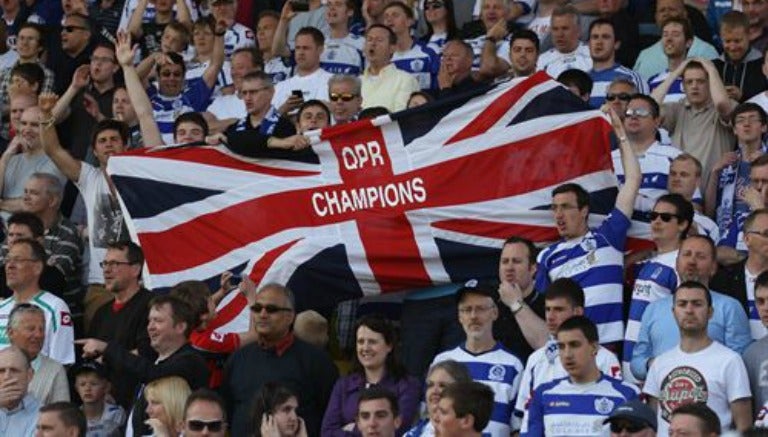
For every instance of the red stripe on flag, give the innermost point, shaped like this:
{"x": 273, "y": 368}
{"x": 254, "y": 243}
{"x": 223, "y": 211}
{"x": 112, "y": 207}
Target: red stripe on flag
{"x": 498, "y": 230}
{"x": 210, "y": 156}
{"x": 490, "y": 116}
{"x": 262, "y": 265}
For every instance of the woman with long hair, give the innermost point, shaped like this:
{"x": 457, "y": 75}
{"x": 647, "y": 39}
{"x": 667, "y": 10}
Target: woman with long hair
{"x": 440, "y": 376}
{"x": 274, "y": 413}
{"x": 375, "y": 364}
{"x": 165, "y": 405}
{"x": 441, "y": 23}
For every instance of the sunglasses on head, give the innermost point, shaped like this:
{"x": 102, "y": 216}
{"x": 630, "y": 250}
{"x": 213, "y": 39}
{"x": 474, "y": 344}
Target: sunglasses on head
{"x": 664, "y": 216}
{"x": 630, "y": 427}
{"x": 433, "y": 5}
{"x": 345, "y": 97}
{"x": 624, "y": 97}
{"x": 199, "y": 425}
{"x": 271, "y": 309}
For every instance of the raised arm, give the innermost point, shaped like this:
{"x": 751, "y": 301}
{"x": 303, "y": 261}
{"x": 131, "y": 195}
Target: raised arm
{"x": 211, "y": 73}
{"x": 79, "y": 81}
{"x": 139, "y": 99}
{"x": 661, "y": 91}
{"x": 625, "y": 200}
{"x": 279, "y": 42}
{"x": 491, "y": 65}
{"x": 134, "y": 25}
{"x": 182, "y": 14}
{"x": 63, "y": 160}
{"x": 722, "y": 102}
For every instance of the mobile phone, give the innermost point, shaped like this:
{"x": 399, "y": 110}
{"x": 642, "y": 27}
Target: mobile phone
{"x": 300, "y": 5}
{"x": 298, "y": 93}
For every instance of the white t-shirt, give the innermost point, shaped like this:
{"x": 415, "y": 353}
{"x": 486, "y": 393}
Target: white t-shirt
{"x": 59, "y": 333}
{"x": 228, "y": 106}
{"x": 313, "y": 86}
{"x": 105, "y": 219}
{"x": 715, "y": 375}
{"x": 555, "y": 62}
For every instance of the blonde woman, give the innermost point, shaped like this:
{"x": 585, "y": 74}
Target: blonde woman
{"x": 165, "y": 405}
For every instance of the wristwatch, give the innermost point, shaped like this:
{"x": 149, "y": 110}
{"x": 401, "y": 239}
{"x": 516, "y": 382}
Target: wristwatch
{"x": 516, "y": 306}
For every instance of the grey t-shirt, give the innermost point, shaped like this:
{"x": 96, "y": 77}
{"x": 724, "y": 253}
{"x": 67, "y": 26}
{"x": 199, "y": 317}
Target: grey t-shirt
{"x": 756, "y": 359}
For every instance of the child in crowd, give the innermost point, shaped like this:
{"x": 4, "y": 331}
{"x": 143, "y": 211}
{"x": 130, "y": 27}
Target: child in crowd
{"x": 91, "y": 383}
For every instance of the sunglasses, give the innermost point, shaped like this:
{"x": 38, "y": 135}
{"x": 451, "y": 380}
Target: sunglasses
{"x": 664, "y": 216}
{"x": 630, "y": 427}
{"x": 638, "y": 112}
{"x": 433, "y": 5}
{"x": 199, "y": 425}
{"x": 624, "y": 97}
{"x": 70, "y": 29}
{"x": 271, "y": 309}
{"x": 346, "y": 97}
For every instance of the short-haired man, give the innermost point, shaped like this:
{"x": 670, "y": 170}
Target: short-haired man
{"x": 677, "y": 36}
{"x": 740, "y": 65}
{"x": 464, "y": 410}
{"x": 477, "y": 312}
{"x": 633, "y": 419}
{"x": 698, "y": 123}
{"x": 652, "y": 60}
{"x": 61, "y": 419}
{"x": 641, "y": 122}
{"x": 103, "y": 210}
{"x": 576, "y": 254}
{"x": 226, "y": 109}
{"x": 23, "y": 266}
{"x": 18, "y": 408}
{"x": 170, "y": 322}
{"x": 377, "y": 413}
{"x": 603, "y": 46}
{"x": 412, "y": 56}
{"x": 756, "y": 355}
{"x": 757, "y": 13}
{"x": 523, "y": 305}
{"x": 343, "y": 50}
{"x": 277, "y": 356}
{"x": 308, "y": 78}
{"x": 43, "y": 194}
{"x": 738, "y": 280}
{"x": 729, "y": 326}
{"x": 731, "y": 177}
{"x": 123, "y": 319}
{"x": 345, "y": 95}
{"x": 487, "y": 37}
{"x": 564, "y": 299}
{"x": 694, "y": 419}
{"x": 685, "y": 179}
{"x": 382, "y": 83}
{"x": 72, "y": 49}
{"x": 205, "y": 414}
{"x": 523, "y": 53}
{"x": 456, "y": 69}
{"x": 592, "y": 396}
{"x": 26, "y": 330}
{"x": 578, "y": 82}
{"x": 699, "y": 369}
{"x": 568, "y": 51}
{"x": 619, "y": 93}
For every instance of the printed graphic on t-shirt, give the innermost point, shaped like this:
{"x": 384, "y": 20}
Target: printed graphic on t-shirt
{"x": 683, "y": 385}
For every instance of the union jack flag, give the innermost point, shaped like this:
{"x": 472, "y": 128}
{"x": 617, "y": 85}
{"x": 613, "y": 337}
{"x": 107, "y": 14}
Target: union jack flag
{"x": 421, "y": 197}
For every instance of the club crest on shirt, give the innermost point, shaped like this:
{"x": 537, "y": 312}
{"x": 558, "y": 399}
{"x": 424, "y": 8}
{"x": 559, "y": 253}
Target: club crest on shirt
{"x": 417, "y": 65}
{"x": 604, "y": 405}
{"x": 496, "y": 373}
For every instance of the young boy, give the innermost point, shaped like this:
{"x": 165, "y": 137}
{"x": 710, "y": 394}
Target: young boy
{"x": 104, "y": 418}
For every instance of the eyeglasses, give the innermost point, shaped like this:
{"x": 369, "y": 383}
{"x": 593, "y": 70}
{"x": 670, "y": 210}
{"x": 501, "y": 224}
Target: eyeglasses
{"x": 478, "y": 309}
{"x": 19, "y": 260}
{"x": 346, "y": 97}
{"x": 763, "y": 233}
{"x": 664, "y": 216}
{"x": 199, "y": 425}
{"x": 747, "y": 119}
{"x": 638, "y": 112}
{"x": 70, "y": 29}
{"x": 629, "y": 426}
{"x": 271, "y": 309}
{"x": 433, "y": 5}
{"x": 105, "y": 264}
{"x": 624, "y": 97}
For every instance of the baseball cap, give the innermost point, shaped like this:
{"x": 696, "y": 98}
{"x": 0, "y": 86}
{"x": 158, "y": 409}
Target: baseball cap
{"x": 475, "y": 287}
{"x": 634, "y": 411}
{"x": 89, "y": 367}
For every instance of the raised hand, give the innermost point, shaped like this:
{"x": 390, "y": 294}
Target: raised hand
{"x": 46, "y": 101}
{"x": 82, "y": 77}
{"x": 124, "y": 52}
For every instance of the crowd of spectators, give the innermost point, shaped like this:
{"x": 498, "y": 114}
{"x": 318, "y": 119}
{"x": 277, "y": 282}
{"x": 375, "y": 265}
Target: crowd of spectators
{"x": 565, "y": 342}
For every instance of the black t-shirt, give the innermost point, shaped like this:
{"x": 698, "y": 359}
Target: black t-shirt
{"x": 507, "y": 331}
